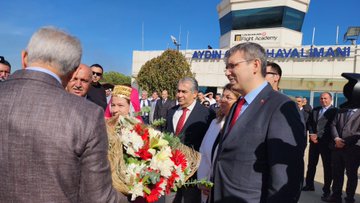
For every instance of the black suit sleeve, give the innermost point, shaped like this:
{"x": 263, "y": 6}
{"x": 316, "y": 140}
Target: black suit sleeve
{"x": 286, "y": 143}
{"x": 157, "y": 109}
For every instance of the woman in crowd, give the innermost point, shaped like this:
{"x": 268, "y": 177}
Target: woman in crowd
{"x": 121, "y": 105}
{"x": 210, "y": 141}
{"x": 132, "y": 98}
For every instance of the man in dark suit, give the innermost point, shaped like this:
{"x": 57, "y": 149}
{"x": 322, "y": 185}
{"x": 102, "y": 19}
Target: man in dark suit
{"x": 303, "y": 113}
{"x": 320, "y": 137}
{"x": 345, "y": 130}
{"x": 307, "y": 107}
{"x": 96, "y": 91}
{"x": 189, "y": 120}
{"x": 53, "y": 143}
{"x": 260, "y": 153}
{"x": 163, "y": 105}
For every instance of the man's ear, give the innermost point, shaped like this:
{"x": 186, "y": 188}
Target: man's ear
{"x": 257, "y": 66}
{"x": 24, "y": 56}
{"x": 277, "y": 77}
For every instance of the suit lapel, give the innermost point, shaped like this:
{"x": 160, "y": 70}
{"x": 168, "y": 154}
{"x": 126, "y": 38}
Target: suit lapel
{"x": 354, "y": 116}
{"x": 251, "y": 111}
{"x": 191, "y": 115}
{"x": 317, "y": 114}
{"x": 228, "y": 119}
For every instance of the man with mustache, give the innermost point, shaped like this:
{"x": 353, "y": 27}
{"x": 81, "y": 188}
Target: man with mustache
{"x": 80, "y": 81}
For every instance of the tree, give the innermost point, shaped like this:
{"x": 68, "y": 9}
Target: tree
{"x": 116, "y": 78}
{"x": 164, "y": 72}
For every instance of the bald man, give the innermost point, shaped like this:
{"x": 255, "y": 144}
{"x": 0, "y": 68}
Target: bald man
{"x": 80, "y": 81}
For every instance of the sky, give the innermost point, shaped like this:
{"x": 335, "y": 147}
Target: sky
{"x": 110, "y": 30}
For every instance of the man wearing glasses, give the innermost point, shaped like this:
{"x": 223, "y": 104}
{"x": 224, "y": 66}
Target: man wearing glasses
{"x": 273, "y": 75}
{"x": 260, "y": 152}
{"x": 5, "y": 69}
{"x": 96, "y": 92}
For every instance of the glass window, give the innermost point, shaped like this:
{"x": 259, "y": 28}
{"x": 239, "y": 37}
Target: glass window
{"x": 293, "y": 19}
{"x": 280, "y": 16}
{"x": 339, "y": 99}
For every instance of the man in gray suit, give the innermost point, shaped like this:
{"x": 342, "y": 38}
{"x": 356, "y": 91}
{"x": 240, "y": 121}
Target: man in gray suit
{"x": 320, "y": 138}
{"x": 345, "y": 131}
{"x": 260, "y": 153}
{"x": 53, "y": 144}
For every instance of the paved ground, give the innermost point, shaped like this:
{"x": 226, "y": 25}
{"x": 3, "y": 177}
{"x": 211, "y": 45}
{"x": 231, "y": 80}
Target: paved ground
{"x": 314, "y": 197}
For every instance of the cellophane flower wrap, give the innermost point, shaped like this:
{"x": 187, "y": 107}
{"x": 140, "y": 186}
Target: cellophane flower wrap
{"x": 146, "y": 162}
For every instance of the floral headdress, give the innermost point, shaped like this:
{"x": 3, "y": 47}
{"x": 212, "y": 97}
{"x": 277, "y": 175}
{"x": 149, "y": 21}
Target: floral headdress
{"x": 122, "y": 91}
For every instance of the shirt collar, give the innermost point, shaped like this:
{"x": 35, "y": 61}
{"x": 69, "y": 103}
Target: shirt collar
{"x": 43, "y": 70}
{"x": 251, "y": 95}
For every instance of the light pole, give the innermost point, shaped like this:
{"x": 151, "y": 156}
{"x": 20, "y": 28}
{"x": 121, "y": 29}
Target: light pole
{"x": 352, "y": 35}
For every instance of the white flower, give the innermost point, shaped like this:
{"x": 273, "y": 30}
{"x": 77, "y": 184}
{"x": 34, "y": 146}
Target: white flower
{"x": 131, "y": 141}
{"x": 163, "y": 187}
{"x": 136, "y": 191}
{"x": 161, "y": 161}
{"x": 154, "y": 133}
{"x": 132, "y": 170}
{"x": 181, "y": 175}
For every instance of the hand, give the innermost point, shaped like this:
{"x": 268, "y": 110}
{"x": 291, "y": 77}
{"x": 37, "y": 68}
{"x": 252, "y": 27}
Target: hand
{"x": 339, "y": 143}
{"x": 313, "y": 138}
{"x": 205, "y": 190}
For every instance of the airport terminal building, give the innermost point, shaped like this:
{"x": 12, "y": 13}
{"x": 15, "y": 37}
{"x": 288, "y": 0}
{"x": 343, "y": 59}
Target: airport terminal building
{"x": 276, "y": 25}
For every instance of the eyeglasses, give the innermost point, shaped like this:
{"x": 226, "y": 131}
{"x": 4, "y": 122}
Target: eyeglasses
{"x": 231, "y": 66}
{"x": 271, "y": 73}
{"x": 97, "y": 74}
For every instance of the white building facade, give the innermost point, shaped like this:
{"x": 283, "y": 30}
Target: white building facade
{"x": 276, "y": 25}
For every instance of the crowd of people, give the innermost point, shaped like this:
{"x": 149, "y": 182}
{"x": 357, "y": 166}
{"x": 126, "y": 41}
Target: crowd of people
{"x": 56, "y": 117}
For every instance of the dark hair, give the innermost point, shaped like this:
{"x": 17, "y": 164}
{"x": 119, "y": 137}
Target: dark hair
{"x": 207, "y": 102}
{"x": 98, "y": 66}
{"x": 275, "y": 67}
{"x": 5, "y": 62}
{"x": 220, "y": 115}
{"x": 251, "y": 51}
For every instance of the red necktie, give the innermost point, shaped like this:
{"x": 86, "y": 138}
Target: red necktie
{"x": 236, "y": 114}
{"x": 181, "y": 121}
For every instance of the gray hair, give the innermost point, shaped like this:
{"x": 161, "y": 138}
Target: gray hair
{"x": 251, "y": 51}
{"x": 192, "y": 81}
{"x": 55, "y": 47}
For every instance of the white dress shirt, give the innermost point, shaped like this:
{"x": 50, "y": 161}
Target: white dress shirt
{"x": 179, "y": 112}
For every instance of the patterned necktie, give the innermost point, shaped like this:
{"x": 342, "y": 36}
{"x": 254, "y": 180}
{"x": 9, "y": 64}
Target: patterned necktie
{"x": 181, "y": 121}
{"x": 237, "y": 112}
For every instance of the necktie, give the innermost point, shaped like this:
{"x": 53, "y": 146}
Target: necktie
{"x": 321, "y": 112}
{"x": 349, "y": 114}
{"x": 143, "y": 105}
{"x": 181, "y": 122}
{"x": 237, "y": 112}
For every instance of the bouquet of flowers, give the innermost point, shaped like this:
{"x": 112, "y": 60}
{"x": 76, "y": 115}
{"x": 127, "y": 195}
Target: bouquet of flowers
{"x": 148, "y": 163}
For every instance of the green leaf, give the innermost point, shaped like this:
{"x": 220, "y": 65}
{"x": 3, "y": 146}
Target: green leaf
{"x": 147, "y": 190}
